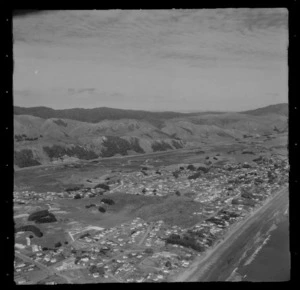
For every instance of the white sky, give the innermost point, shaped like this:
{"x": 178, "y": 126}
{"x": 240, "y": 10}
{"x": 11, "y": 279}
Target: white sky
{"x": 218, "y": 59}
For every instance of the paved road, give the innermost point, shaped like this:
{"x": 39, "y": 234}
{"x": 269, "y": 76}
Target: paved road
{"x": 146, "y": 234}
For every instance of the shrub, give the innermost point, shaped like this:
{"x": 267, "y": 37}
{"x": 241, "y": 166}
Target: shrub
{"x": 101, "y": 209}
{"x": 77, "y": 196}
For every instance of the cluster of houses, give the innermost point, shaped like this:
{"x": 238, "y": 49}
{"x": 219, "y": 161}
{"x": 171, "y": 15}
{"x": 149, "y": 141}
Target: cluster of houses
{"x": 137, "y": 251}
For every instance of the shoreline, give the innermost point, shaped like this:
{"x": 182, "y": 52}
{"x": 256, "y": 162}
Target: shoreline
{"x": 190, "y": 273}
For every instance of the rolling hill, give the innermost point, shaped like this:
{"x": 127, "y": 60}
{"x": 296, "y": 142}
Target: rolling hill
{"x": 43, "y": 135}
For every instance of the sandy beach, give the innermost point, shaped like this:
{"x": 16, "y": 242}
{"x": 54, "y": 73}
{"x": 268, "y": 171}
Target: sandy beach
{"x": 202, "y": 264}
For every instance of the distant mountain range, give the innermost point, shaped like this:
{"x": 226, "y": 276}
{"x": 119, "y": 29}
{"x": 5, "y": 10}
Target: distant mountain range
{"x": 44, "y": 135}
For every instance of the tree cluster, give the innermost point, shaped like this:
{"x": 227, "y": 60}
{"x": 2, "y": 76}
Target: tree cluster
{"x": 43, "y": 216}
{"x": 57, "y": 151}
{"x": 103, "y": 186}
{"x": 24, "y": 137}
{"x": 160, "y": 146}
{"x": 60, "y": 122}
{"x": 24, "y": 158}
{"x": 114, "y": 145}
{"x": 108, "y": 201}
{"x": 185, "y": 241}
{"x": 30, "y": 228}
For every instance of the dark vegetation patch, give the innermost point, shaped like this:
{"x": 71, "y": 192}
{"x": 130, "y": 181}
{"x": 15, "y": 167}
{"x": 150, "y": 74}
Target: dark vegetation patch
{"x": 191, "y": 167}
{"x": 102, "y": 186}
{"x": 30, "y": 228}
{"x": 43, "y": 216}
{"x": 101, "y": 209}
{"x": 203, "y": 169}
{"x": 185, "y": 241}
{"x": 160, "y": 146}
{"x": 60, "y": 122}
{"x": 24, "y": 158}
{"x": 24, "y": 137}
{"x": 108, "y": 201}
{"x": 75, "y": 188}
{"x": 57, "y": 151}
{"x": 135, "y": 146}
{"x": 248, "y": 152}
{"x": 115, "y": 145}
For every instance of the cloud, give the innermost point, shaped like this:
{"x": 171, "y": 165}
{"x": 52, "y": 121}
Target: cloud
{"x": 131, "y": 55}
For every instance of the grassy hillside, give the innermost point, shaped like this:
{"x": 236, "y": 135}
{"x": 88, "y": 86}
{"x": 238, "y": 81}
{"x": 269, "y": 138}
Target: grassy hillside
{"x": 56, "y": 139}
{"x": 280, "y": 109}
{"x": 97, "y": 114}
